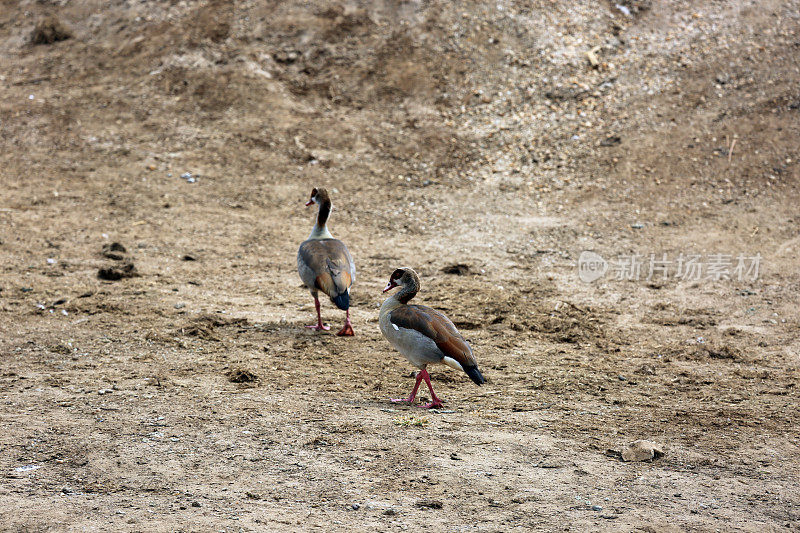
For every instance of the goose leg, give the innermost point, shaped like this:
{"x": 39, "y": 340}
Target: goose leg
{"x": 347, "y": 329}
{"x": 410, "y": 399}
{"x": 319, "y": 326}
{"x": 437, "y": 402}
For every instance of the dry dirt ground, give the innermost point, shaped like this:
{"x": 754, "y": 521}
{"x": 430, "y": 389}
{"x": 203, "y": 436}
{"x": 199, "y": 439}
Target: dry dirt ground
{"x": 190, "y": 397}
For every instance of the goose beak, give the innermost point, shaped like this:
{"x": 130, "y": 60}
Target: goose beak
{"x": 389, "y": 286}
{"x": 310, "y": 202}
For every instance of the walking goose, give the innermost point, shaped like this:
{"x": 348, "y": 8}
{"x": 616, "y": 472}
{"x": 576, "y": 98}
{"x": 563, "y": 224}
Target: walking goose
{"x": 423, "y": 335}
{"x": 325, "y": 264}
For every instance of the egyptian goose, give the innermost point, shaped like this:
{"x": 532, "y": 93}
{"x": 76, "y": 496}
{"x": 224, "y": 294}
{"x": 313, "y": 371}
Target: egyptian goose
{"x": 423, "y": 335}
{"x": 325, "y": 264}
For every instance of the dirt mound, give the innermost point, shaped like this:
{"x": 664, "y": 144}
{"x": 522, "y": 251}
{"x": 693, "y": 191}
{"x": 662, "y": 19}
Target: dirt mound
{"x": 486, "y": 145}
{"x": 50, "y": 30}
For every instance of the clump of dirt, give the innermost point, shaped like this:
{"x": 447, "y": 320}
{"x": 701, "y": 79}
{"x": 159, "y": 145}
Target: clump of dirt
{"x": 203, "y": 327}
{"x": 701, "y": 349}
{"x": 59, "y": 348}
{"x": 114, "y": 272}
{"x": 114, "y": 250}
{"x": 723, "y": 351}
{"x": 459, "y": 269}
{"x": 429, "y": 504}
{"x": 212, "y": 22}
{"x": 117, "y": 272}
{"x": 50, "y": 30}
{"x": 241, "y": 375}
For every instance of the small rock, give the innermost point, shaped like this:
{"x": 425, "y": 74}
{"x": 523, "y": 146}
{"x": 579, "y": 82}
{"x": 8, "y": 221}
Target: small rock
{"x": 390, "y": 512}
{"x": 180, "y": 306}
{"x": 189, "y": 257}
{"x": 355, "y": 507}
{"x": 195, "y": 504}
{"x": 637, "y": 225}
{"x": 186, "y": 175}
{"x": 454, "y": 456}
{"x": 642, "y": 450}
{"x": 597, "y": 508}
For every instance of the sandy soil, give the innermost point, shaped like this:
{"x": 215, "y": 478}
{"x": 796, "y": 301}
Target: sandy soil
{"x": 190, "y": 397}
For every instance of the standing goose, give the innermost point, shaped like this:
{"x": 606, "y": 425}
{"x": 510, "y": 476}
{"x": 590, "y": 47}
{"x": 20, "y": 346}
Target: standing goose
{"x": 325, "y": 264}
{"x": 423, "y": 335}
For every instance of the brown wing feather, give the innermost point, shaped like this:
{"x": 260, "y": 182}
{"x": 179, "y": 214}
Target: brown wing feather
{"x": 438, "y": 328}
{"x": 324, "y": 282}
{"x": 330, "y": 261}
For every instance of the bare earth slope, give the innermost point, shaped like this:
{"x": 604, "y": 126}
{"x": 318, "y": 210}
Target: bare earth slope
{"x": 190, "y": 397}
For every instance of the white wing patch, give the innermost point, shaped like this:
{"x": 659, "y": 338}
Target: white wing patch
{"x": 395, "y": 327}
{"x": 452, "y": 363}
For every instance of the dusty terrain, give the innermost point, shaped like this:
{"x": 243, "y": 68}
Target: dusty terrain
{"x": 190, "y": 397}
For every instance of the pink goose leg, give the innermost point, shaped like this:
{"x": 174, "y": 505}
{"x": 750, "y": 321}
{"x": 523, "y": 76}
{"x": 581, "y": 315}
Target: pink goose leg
{"x": 410, "y": 399}
{"x": 319, "y": 326}
{"x": 347, "y": 329}
{"x": 437, "y": 402}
